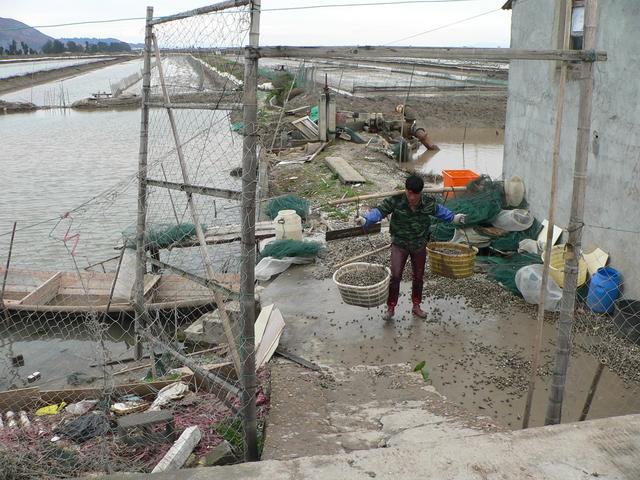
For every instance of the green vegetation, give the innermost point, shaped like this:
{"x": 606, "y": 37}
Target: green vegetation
{"x": 317, "y": 183}
{"x": 421, "y": 367}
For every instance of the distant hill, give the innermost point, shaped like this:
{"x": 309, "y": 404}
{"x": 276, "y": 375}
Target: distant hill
{"x": 11, "y": 29}
{"x": 90, "y": 40}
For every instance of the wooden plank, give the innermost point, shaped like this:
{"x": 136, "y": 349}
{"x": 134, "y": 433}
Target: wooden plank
{"x": 150, "y": 281}
{"x": 344, "y": 170}
{"x": 497, "y": 54}
{"x": 19, "y": 399}
{"x": 44, "y": 293}
{"x": 351, "y": 232}
{"x": 306, "y": 126}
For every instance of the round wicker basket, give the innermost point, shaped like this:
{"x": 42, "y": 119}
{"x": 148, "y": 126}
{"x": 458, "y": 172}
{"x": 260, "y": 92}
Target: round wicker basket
{"x": 363, "y": 296}
{"x": 450, "y": 265}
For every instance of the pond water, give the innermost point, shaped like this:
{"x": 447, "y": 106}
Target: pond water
{"x": 69, "y": 90}
{"x": 22, "y": 68}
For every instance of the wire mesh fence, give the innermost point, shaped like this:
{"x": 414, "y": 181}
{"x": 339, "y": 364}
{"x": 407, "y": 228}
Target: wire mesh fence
{"x": 79, "y": 361}
{"x": 93, "y": 380}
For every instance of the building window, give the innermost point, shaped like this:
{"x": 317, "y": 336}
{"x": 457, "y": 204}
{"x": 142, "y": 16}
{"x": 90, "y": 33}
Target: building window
{"x": 577, "y": 25}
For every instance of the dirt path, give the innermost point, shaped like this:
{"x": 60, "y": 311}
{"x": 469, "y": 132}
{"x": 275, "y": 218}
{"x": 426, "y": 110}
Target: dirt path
{"x": 12, "y": 84}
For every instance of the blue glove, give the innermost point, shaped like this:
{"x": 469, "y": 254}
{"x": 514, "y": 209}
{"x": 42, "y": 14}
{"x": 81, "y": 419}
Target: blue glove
{"x": 372, "y": 217}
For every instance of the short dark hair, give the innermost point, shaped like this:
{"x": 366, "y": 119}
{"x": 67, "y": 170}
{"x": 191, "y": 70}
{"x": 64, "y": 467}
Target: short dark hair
{"x": 414, "y": 183}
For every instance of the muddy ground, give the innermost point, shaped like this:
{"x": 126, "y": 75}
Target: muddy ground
{"x": 477, "y": 339}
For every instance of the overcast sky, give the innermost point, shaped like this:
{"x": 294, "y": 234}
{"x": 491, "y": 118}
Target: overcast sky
{"x": 354, "y": 25}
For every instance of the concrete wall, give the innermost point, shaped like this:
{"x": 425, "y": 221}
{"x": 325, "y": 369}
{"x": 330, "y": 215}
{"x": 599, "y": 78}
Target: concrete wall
{"x": 612, "y": 206}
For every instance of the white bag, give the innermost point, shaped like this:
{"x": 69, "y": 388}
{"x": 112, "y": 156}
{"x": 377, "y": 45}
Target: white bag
{"x": 270, "y": 266}
{"x": 513, "y": 220}
{"x": 529, "y": 280}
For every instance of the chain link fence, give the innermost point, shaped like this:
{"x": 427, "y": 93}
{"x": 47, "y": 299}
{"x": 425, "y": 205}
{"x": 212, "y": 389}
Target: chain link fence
{"x": 97, "y": 330}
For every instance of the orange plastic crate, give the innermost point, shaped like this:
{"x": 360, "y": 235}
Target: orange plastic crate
{"x": 457, "y": 178}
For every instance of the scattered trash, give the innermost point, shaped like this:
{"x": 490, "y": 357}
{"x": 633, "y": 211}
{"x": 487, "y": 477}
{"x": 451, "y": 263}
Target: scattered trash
{"x": 168, "y": 394}
{"x": 85, "y": 428}
{"x": 81, "y": 407}
{"x": 24, "y": 419}
{"x": 33, "y": 377}
{"x": 128, "y": 407}
{"x": 11, "y": 419}
{"x": 50, "y": 409}
{"x": 79, "y": 378}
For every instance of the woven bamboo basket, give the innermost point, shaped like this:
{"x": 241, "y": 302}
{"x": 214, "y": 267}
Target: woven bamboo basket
{"x": 449, "y": 265}
{"x": 363, "y": 296}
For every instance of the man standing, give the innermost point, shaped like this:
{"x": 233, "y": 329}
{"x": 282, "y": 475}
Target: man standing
{"x": 409, "y": 228}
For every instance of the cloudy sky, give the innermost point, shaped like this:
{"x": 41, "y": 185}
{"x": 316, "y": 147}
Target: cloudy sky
{"x": 419, "y": 23}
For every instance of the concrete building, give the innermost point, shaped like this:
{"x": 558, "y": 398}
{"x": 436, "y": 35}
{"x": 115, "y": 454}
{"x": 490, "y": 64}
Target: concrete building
{"x": 612, "y": 205}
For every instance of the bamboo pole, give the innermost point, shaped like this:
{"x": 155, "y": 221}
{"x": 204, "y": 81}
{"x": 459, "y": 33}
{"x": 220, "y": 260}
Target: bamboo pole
{"x": 537, "y": 344}
{"x": 364, "y": 255}
{"x": 576, "y": 222}
{"x": 142, "y": 190}
{"x": 247, "y": 246}
{"x": 393, "y": 193}
{"x": 497, "y": 54}
{"x": 202, "y": 243}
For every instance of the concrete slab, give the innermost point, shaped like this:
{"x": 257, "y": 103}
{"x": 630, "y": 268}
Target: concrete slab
{"x": 607, "y": 448}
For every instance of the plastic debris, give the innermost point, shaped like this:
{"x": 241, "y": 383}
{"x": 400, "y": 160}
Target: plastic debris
{"x": 172, "y": 392}
{"x": 11, "y": 419}
{"x": 24, "y": 419}
{"x": 80, "y": 408}
{"x": 85, "y": 428}
{"x": 50, "y": 409}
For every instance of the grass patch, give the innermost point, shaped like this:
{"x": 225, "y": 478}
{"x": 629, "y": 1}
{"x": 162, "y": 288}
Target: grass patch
{"x": 316, "y": 183}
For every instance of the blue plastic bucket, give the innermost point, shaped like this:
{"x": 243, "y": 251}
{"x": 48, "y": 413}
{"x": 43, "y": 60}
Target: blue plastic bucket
{"x": 604, "y": 290}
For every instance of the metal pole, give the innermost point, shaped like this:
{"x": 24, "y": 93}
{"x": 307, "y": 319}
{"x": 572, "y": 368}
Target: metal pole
{"x": 537, "y": 345}
{"x": 142, "y": 190}
{"x": 576, "y": 222}
{"x": 247, "y": 252}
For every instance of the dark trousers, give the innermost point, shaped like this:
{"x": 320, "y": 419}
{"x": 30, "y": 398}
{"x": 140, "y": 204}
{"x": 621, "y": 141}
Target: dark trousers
{"x": 399, "y": 257}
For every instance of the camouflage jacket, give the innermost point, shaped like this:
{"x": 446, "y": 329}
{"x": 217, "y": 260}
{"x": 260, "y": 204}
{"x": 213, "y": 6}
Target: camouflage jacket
{"x": 410, "y": 228}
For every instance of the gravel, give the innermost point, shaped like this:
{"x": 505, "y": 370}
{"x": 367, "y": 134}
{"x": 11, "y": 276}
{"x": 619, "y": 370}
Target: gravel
{"x": 363, "y": 277}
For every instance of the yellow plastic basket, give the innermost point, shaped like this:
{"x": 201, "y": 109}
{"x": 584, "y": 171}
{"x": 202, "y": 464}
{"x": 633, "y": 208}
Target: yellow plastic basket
{"x": 556, "y": 266}
{"x": 450, "y": 265}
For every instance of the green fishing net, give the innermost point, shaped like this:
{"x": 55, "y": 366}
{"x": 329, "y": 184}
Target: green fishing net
{"x": 503, "y": 269}
{"x": 287, "y": 202}
{"x": 291, "y": 248}
{"x": 482, "y": 201}
{"x": 160, "y": 235}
